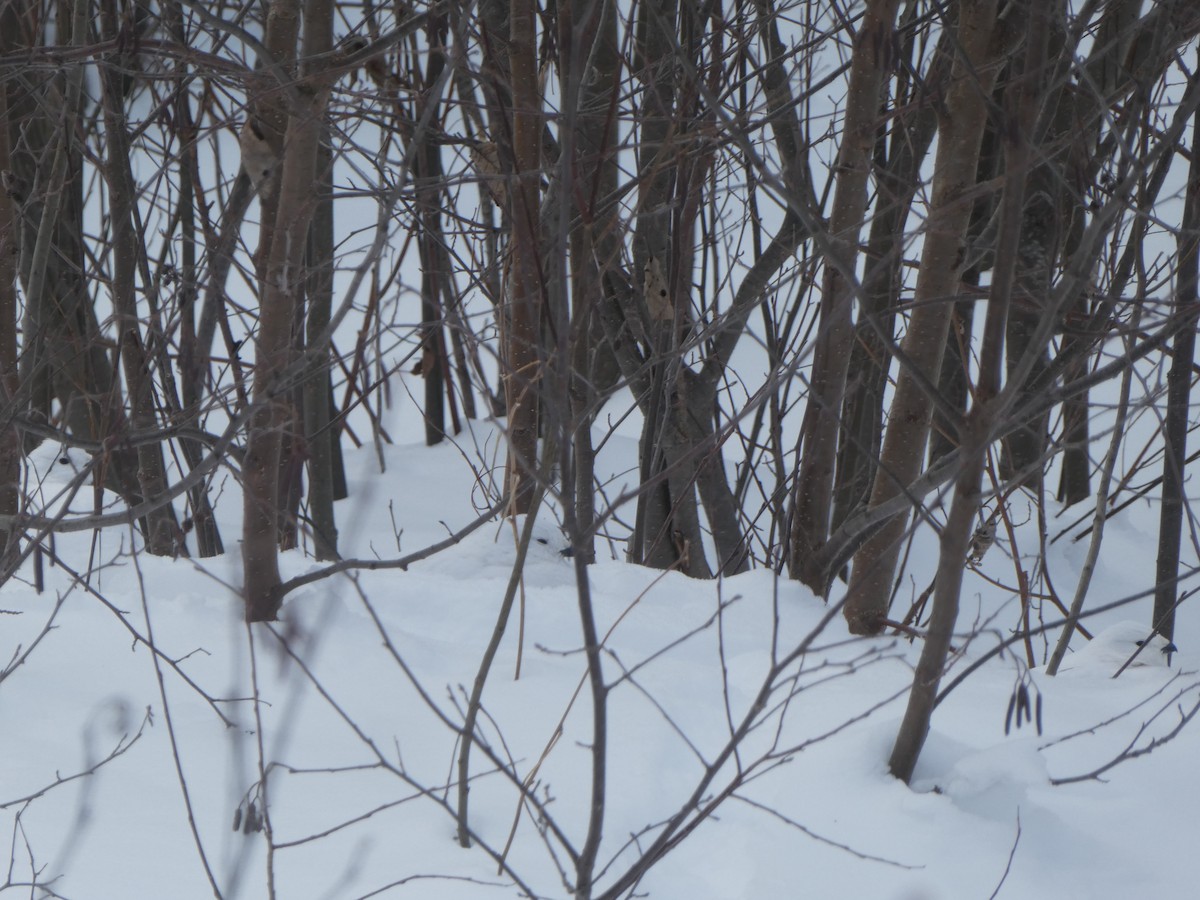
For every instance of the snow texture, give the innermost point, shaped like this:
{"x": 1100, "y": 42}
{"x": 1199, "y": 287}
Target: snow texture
{"x": 686, "y": 661}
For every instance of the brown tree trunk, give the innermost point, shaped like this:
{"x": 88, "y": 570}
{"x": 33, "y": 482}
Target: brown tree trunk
{"x": 1075, "y": 479}
{"x": 953, "y": 383}
{"x": 897, "y": 183}
{"x": 980, "y": 45}
{"x": 163, "y": 537}
{"x": 588, "y": 37}
{"x": 284, "y": 274}
{"x": 522, "y": 340}
{"x": 1019, "y": 115}
{"x": 1105, "y": 67}
{"x": 427, "y": 172}
{"x": 657, "y": 537}
{"x": 871, "y": 61}
{"x": 1179, "y": 390}
{"x": 321, "y": 428}
{"x": 208, "y": 536}
{"x": 10, "y": 437}
{"x": 62, "y": 355}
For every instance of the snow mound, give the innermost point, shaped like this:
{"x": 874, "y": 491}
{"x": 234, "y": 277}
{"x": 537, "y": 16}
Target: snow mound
{"x": 1112, "y": 647}
{"x": 990, "y": 782}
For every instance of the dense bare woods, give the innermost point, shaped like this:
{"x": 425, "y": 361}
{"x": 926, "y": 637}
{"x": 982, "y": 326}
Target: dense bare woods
{"x": 860, "y": 274}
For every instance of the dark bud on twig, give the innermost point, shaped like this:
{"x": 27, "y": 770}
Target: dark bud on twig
{"x": 251, "y": 822}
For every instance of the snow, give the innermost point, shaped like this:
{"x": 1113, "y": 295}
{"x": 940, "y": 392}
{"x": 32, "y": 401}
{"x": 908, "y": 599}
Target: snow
{"x": 1118, "y": 644}
{"x": 353, "y": 723}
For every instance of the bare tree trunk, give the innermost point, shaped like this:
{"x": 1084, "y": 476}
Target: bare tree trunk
{"x": 651, "y": 543}
{"x": 523, "y": 338}
{"x": 163, "y": 537}
{"x": 1098, "y": 519}
{"x": 321, "y": 430}
{"x": 1105, "y": 68}
{"x": 955, "y": 539}
{"x": 1179, "y": 390}
{"x": 262, "y": 461}
{"x": 1075, "y": 478}
{"x": 897, "y": 180}
{"x": 677, "y": 403}
{"x": 1024, "y": 453}
{"x": 62, "y": 355}
{"x": 208, "y": 536}
{"x": 963, "y": 121}
{"x": 588, "y": 35}
{"x": 871, "y": 61}
{"x": 1019, "y": 114}
{"x": 10, "y": 437}
{"x": 954, "y": 380}
{"x": 284, "y": 269}
{"x": 427, "y": 172}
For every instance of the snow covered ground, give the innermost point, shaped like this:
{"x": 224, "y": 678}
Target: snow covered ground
{"x": 362, "y": 765}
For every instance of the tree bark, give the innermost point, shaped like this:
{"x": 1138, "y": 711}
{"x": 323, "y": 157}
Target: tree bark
{"x": 870, "y": 63}
{"x": 62, "y": 355}
{"x": 588, "y": 35}
{"x": 897, "y": 184}
{"x": 656, "y": 538}
{"x": 284, "y": 276}
{"x": 321, "y": 428}
{"x": 163, "y": 535}
{"x": 1179, "y": 390}
{"x": 522, "y": 361}
{"x": 987, "y": 409}
{"x": 980, "y": 45}
{"x": 427, "y": 172}
{"x": 10, "y": 437}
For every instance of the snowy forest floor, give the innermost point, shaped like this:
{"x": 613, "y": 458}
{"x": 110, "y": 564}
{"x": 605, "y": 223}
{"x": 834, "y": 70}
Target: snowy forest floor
{"x": 362, "y": 769}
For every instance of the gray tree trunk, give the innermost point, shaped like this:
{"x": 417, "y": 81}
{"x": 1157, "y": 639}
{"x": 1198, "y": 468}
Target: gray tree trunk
{"x": 522, "y": 340}
{"x": 284, "y": 273}
{"x": 1179, "y": 390}
{"x": 987, "y": 409}
{"x": 321, "y": 430}
{"x": 869, "y": 64}
{"x": 980, "y": 44}
{"x": 163, "y": 536}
